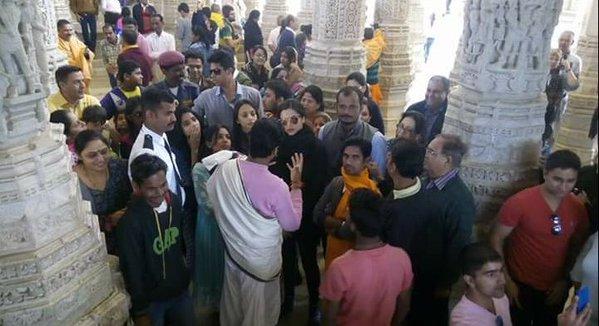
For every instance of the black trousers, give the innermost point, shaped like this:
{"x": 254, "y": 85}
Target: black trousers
{"x": 306, "y": 239}
{"x": 534, "y": 310}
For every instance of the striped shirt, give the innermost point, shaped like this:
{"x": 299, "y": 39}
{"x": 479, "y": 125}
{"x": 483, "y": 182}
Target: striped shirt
{"x": 441, "y": 181}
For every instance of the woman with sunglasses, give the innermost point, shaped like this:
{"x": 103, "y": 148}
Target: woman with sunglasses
{"x": 103, "y": 181}
{"x": 245, "y": 115}
{"x": 299, "y": 138}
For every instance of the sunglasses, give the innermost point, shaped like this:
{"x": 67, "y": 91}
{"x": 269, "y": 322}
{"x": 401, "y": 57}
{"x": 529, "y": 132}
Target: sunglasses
{"x": 556, "y": 224}
{"x": 215, "y": 72}
{"x": 292, "y": 120}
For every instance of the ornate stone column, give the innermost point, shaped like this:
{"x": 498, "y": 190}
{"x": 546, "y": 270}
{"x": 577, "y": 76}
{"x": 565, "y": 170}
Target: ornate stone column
{"x": 416, "y": 23}
{"x": 45, "y": 29}
{"x": 336, "y": 50}
{"x": 498, "y": 106}
{"x": 306, "y": 14}
{"x": 573, "y": 132}
{"x": 272, "y": 9}
{"x": 252, "y": 4}
{"x": 396, "y": 71}
{"x": 63, "y": 11}
{"x": 170, "y": 14}
{"x": 53, "y": 264}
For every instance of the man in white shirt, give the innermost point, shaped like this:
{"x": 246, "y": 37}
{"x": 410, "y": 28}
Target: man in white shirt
{"x": 160, "y": 42}
{"x": 159, "y": 117}
{"x": 273, "y": 36}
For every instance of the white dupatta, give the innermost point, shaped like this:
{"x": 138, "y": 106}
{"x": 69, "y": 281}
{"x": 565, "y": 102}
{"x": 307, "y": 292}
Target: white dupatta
{"x": 252, "y": 241}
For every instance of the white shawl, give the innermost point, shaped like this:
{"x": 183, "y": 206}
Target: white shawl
{"x": 252, "y": 241}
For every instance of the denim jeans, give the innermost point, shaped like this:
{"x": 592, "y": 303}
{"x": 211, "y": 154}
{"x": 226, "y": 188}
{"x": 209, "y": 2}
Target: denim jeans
{"x": 89, "y": 30}
{"x": 175, "y": 311}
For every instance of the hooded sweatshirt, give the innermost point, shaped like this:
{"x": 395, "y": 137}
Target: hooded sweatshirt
{"x": 153, "y": 263}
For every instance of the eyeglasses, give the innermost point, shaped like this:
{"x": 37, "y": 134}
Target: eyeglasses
{"x": 292, "y": 120}
{"x": 94, "y": 154}
{"x": 556, "y": 224}
{"x": 215, "y": 72}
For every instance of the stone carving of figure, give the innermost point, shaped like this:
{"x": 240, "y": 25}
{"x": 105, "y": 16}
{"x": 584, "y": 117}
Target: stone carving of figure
{"x": 33, "y": 37}
{"x": 510, "y": 56}
{"x": 535, "y": 36}
{"x": 12, "y": 51}
{"x": 473, "y": 47}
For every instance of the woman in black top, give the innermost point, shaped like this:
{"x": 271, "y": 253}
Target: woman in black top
{"x": 256, "y": 66}
{"x": 245, "y": 114}
{"x": 299, "y": 138}
{"x": 252, "y": 32}
{"x": 103, "y": 181}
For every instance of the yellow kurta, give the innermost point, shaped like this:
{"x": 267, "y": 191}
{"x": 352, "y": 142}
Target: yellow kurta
{"x": 57, "y": 102}
{"x": 75, "y": 52}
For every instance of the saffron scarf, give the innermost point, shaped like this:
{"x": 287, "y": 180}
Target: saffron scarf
{"x": 335, "y": 246}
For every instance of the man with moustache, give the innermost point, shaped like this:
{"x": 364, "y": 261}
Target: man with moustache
{"x": 348, "y": 125}
{"x": 485, "y": 302}
{"x": 159, "y": 118}
{"x": 434, "y": 106}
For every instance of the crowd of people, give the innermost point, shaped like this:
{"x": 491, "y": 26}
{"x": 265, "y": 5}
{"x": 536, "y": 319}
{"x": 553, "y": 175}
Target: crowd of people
{"x": 214, "y": 170}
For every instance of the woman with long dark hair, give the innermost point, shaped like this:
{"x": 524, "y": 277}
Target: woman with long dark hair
{"x": 245, "y": 115}
{"x": 252, "y": 35}
{"x": 299, "y": 138}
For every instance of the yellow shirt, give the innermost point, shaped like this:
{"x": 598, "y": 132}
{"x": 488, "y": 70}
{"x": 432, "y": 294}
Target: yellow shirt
{"x": 133, "y": 93}
{"x": 57, "y": 102}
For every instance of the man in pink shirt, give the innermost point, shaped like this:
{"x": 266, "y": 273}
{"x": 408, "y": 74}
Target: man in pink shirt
{"x": 252, "y": 207}
{"x": 369, "y": 284}
{"x": 485, "y": 302}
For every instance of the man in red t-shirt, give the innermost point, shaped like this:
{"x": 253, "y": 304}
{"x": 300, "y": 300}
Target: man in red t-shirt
{"x": 545, "y": 227}
{"x": 369, "y": 284}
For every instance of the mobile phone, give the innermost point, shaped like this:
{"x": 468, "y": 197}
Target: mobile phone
{"x": 584, "y": 296}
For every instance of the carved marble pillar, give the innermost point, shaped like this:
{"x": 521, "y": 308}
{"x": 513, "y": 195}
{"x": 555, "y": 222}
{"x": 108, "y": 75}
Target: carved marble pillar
{"x": 306, "y": 14}
{"x": 416, "y": 24}
{"x": 498, "y": 106}
{"x": 272, "y": 9}
{"x": 54, "y": 57}
{"x": 53, "y": 264}
{"x": 571, "y": 17}
{"x": 336, "y": 49}
{"x": 252, "y": 4}
{"x": 63, "y": 11}
{"x": 396, "y": 71}
{"x": 61, "y": 8}
{"x": 170, "y": 14}
{"x": 574, "y": 128}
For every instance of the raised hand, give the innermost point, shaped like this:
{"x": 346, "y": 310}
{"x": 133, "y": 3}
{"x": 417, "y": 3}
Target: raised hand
{"x": 296, "y": 168}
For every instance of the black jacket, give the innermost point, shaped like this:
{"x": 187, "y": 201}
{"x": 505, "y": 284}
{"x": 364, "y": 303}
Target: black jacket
{"x": 253, "y": 35}
{"x": 438, "y": 124}
{"x": 148, "y": 277}
{"x": 314, "y": 174}
{"x": 137, "y": 16}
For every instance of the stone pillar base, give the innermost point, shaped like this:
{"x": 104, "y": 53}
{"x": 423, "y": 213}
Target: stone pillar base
{"x": 492, "y": 126}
